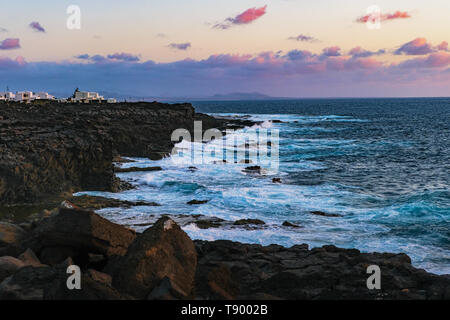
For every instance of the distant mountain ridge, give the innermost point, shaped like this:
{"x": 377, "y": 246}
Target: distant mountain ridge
{"x": 243, "y": 96}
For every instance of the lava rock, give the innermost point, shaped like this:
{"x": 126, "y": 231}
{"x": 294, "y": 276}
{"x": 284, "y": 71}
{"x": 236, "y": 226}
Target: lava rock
{"x": 137, "y": 169}
{"x": 248, "y": 221}
{"x": 51, "y": 149}
{"x": 166, "y": 290}
{"x": 164, "y": 250}
{"x": 8, "y": 266}
{"x": 288, "y": 224}
{"x": 10, "y": 234}
{"x": 258, "y": 272}
{"x": 50, "y": 283}
{"x": 194, "y": 202}
{"x": 83, "y": 232}
{"x": 324, "y": 214}
{"x": 30, "y": 259}
{"x": 253, "y": 170}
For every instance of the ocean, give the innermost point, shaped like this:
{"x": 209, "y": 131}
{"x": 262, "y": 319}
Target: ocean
{"x": 382, "y": 165}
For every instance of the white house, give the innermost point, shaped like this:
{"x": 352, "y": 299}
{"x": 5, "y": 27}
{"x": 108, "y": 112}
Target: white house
{"x": 7, "y": 96}
{"x": 112, "y": 100}
{"x": 83, "y": 96}
{"x": 43, "y": 96}
{"x": 24, "y": 96}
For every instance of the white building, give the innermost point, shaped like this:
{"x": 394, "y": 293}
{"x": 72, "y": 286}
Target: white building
{"x": 43, "y": 96}
{"x": 112, "y": 100}
{"x": 8, "y": 96}
{"x": 83, "y": 96}
{"x": 24, "y": 96}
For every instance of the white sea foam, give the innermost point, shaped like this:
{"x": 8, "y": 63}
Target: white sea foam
{"x": 234, "y": 195}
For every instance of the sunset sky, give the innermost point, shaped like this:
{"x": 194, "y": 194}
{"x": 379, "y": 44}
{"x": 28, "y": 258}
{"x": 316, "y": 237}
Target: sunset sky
{"x": 171, "y": 48}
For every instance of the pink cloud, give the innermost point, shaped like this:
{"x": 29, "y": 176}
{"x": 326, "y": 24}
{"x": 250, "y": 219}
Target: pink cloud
{"x": 397, "y": 15}
{"x": 10, "y": 63}
{"x": 250, "y": 15}
{"x": 359, "y": 52}
{"x": 384, "y": 17}
{"x": 443, "y": 46}
{"x": 36, "y": 26}
{"x": 245, "y": 17}
{"x": 364, "y": 63}
{"x": 332, "y": 51}
{"x": 301, "y": 72}
{"x": 10, "y": 44}
{"x": 435, "y": 60}
{"x": 418, "y": 46}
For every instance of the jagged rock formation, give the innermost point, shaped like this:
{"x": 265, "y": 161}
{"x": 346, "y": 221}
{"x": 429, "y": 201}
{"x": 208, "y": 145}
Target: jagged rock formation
{"x": 50, "y": 149}
{"x": 164, "y": 263}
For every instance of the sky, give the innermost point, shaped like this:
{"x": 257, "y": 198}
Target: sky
{"x": 197, "y": 48}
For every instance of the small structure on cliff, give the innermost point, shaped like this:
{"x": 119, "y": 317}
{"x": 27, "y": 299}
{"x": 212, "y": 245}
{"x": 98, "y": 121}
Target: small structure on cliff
{"x": 82, "y": 96}
{"x": 78, "y": 97}
{"x": 88, "y": 97}
{"x": 25, "y": 96}
{"x": 7, "y": 96}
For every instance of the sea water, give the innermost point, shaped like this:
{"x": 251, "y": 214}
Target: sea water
{"x": 383, "y": 164}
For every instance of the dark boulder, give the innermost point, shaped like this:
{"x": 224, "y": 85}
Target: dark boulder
{"x": 243, "y": 222}
{"x": 74, "y": 232}
{"x": 253, "y": 170}
{"x": 164, "y": 250}
{"x": 324, "y": 214}
{"x": 30, "y": 259}
{"x": 216, "y": 283}
{"x": 195, "y": 202}
{"x": 10, "y": 234}
{"x": 8, "y": 266}
{"x": 50, "y": 283}
{"x": 136, "y": 169}
{"x": 289, "y": 224}
{"x": 166, "y": 290}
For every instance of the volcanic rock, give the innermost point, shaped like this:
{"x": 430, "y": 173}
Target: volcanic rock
{"x": 248, "y": 221}
{"x": 10, "y": 234}
{"x": 163, "y": 250}
{"x": 288, "y": 224}
{"x": 194, "y": 202}
{"x": 324, "y": 214}
{"x": 78, "y": 232}
{"x": 9, "y": 265}
{"x": 137, "y": 169}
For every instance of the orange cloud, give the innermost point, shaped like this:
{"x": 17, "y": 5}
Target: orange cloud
{"x": 245, "y": 17}
{"x": 384, "y": 17}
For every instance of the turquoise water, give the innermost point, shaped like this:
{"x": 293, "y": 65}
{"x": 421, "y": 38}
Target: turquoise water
{"x": 382, "y": 164}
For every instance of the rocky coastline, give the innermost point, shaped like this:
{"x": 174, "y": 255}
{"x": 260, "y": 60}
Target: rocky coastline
{"x": 49, "y": 151}
{"x": 163, "y": 263}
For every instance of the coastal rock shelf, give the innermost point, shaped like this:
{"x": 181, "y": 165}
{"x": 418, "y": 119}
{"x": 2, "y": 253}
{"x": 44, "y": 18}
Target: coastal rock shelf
{"x": 50, "y": 149}
{"x": 164, "y": 263}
